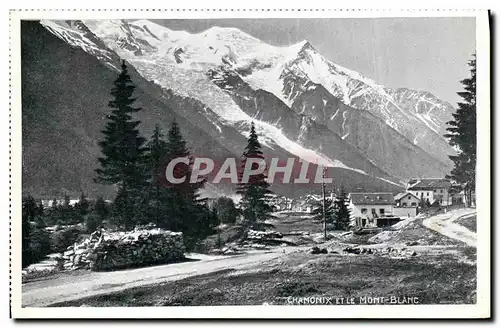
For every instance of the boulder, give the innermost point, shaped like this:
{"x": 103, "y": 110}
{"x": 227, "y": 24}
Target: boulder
{"x": 317, "y": 250}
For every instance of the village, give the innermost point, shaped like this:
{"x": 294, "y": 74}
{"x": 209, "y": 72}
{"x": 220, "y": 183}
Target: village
{"x": 382, "y": 209}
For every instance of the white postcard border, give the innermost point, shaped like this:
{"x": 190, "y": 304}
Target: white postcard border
{"x": 479, "y": 310}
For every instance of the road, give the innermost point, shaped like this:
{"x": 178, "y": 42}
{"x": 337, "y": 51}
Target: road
{"x": 71, "y": 287}
{"x": 444, "y": 224}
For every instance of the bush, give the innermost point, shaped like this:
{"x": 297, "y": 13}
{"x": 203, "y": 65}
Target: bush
{"x": 39, "y": 246}
{"x": 93, "y": 222}
{"x": 226, "y": 210}
{"x": 64, "y": 238}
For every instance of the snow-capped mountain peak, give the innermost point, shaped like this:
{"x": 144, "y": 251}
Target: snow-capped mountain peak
{"x": 299, "y": 100}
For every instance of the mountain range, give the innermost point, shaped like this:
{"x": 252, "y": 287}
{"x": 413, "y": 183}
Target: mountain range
{"x": 214, "y": 83}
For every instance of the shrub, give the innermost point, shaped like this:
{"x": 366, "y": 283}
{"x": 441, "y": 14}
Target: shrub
{"x": 93, "y": 222}
{"x": 226, "y": 210}
{"x": 39, "y": 245}
{"x": 64, "y": 238}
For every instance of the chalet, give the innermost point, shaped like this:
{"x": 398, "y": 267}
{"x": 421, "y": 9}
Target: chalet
{"x": 406, "y": 204}
{"x": 406, "y": 199}
{"x": 432, "y": 190}
{"x": 371, "y": 209}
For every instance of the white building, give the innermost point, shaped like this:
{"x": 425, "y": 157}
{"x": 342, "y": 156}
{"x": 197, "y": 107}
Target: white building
{"x": 369, "y": 208}
{"x": 432, "y": 190}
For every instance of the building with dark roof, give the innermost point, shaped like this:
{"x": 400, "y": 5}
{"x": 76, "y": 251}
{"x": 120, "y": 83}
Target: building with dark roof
{"x": 406, "y": 199}
{"x": 371, "y": 209}
{"x": 436, "y": 190}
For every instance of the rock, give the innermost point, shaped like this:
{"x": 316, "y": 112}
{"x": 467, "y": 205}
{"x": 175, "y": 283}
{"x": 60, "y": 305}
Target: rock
{"x": 411, "y": 243}
{"x": 315, "y": 250}
{"x": 324, "y": 251}
{"x": 69, "y": 253}
{"x": 352, "y": 250}
{"x": 229, "y": 251}
{"x": 255, "y": 234}
{"x": 81, "y": 251}
{"x": 414, "y": 253}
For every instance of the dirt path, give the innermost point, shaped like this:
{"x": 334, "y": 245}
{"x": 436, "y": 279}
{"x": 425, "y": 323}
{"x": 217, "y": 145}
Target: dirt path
{"x": 444, "y": 224}
{"x": 72, "y": 287}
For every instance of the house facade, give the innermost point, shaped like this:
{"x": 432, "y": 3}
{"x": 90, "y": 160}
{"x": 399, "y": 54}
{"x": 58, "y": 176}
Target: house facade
{"x": 406, "y": 205}
{"x": 432, "y": 190}
{"x": 368, "y": 208}
{"x": 406, "y": 199}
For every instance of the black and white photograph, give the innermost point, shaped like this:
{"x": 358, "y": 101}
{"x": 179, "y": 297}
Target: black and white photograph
{"x": 180, "y": 164}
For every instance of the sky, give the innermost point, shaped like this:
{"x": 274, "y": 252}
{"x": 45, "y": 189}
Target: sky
{"x": 428, "y": 54}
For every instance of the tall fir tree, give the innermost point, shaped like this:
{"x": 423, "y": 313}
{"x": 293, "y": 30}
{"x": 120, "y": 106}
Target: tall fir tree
{"x": 462, "y": 135}
{"x": 255, "y": 193}
{"x": 122, "y": 163}
{"x": 156, "y": 152}
{"x": 187, "y": 211}
{"x": 342, "y": 213}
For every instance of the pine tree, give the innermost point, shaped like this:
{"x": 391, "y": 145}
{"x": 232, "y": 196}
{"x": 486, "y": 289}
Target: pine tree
{"x": 122, "y": 163}
{"x": 83, "y": 205}
{"x": 156, "y": 152}
{"x": 187, "y": 211}
{"x": 99, "y": 213}
{"x": 35, "y": 240}
{"x": 342, "y": 213}
{"x": 40, "y": 209}
{"x": 317, "y": 211}
{"x": 255, "y": 193}
{"x": 462, "y": 135}
{"x": 101, "y": 209}
{"x": 226, "y": 210}
{"x": 28, "y": 215}
{"x": 62, "y": 214}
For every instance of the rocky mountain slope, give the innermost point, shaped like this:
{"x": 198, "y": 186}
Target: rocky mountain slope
{"x": 214, "y": 83}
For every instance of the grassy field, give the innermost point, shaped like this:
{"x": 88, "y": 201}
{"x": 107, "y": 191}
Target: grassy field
{"x": 433, "y": 279}
{"x": 468, "y": 222}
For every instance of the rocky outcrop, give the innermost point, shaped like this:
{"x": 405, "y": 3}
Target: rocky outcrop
{"x": 118, "y": 250}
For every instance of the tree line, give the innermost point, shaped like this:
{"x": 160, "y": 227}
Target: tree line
{"x": 136, "y": 167}
{"x": 68, "y": 221}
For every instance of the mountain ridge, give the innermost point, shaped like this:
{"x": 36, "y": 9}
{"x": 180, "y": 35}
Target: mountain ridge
{"x": 222, "y": 78}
